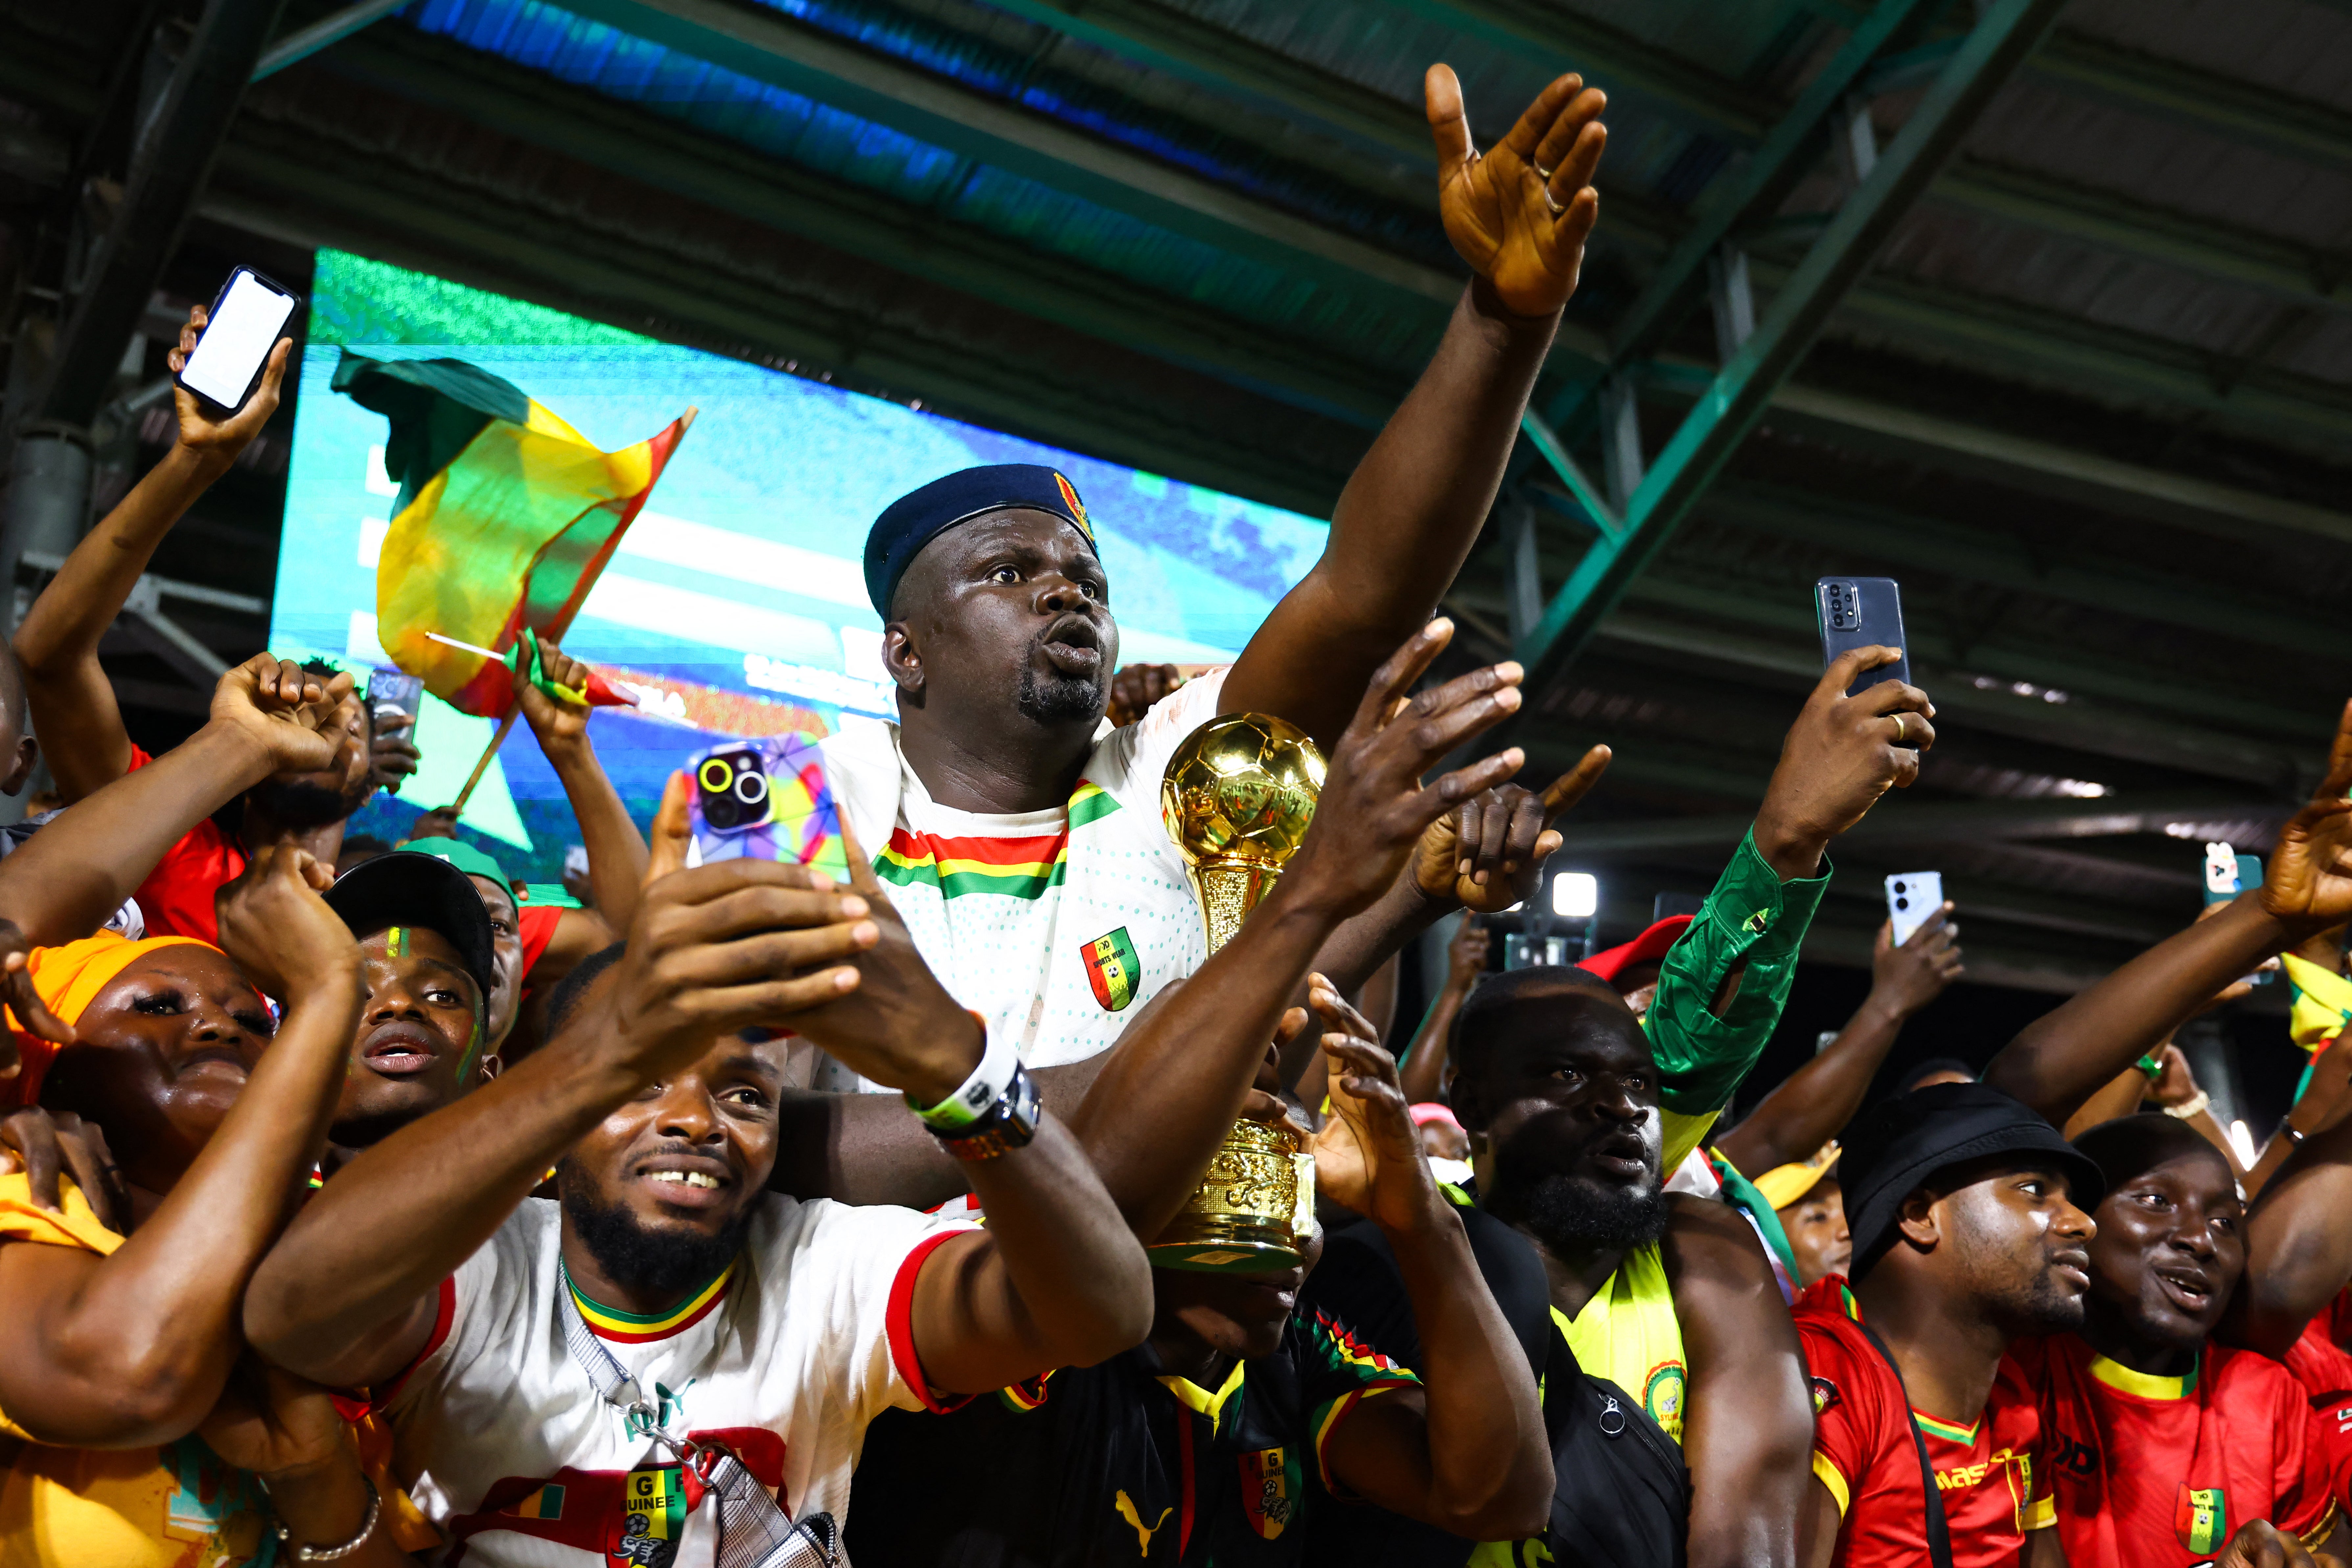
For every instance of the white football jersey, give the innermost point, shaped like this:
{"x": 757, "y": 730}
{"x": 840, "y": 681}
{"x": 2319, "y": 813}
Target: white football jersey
{"x": 1054, "y": 925}
{"x": 784, "y": 1358}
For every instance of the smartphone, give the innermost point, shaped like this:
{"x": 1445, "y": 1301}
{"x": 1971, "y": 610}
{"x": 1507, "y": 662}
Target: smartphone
{"x": 1857, "y": 611}
{"x": 393, "y": 698}
{"x": 2229, "y": 873}
{"x": 244, "y": 324}
{"x": 1911, "y": 898}
{"x": 767, "y": 800}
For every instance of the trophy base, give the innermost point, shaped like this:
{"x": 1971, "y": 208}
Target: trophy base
{"x": 1252, "y": 1250}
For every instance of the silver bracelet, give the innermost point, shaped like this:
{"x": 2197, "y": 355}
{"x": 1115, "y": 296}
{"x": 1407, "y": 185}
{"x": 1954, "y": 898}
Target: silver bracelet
{"x": 2188, "y": 1107}
{"x": 336, "y": 1553}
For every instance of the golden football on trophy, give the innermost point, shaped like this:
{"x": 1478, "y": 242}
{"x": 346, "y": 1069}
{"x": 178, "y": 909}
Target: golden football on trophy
{"x": 1236, "y": 799}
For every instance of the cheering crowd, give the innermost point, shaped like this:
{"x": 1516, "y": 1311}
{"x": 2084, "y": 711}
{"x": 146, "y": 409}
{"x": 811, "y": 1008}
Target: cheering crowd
{"x": 362, "y": 1209}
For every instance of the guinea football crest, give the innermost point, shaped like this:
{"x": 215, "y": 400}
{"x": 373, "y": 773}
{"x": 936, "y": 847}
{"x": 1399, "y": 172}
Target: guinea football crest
{"x": 1270, "y": 1486}
{"x": 653, "y": 1502}
{"x": 2201, "y": 1519}
{"x": 1112, "y": 969}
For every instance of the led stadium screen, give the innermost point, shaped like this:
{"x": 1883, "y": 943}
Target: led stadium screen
{"x": 736, "y": 601}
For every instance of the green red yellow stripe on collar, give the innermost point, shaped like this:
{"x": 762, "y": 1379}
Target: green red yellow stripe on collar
{"x": 1016, "y": 867}
{"x": 636, "y": 1327}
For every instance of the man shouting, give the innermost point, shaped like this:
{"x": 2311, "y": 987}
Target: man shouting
{"x": 1026, "y": 855}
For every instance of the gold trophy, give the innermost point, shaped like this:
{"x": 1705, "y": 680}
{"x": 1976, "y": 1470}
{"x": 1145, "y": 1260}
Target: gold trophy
{"x": 1236, "y": 799}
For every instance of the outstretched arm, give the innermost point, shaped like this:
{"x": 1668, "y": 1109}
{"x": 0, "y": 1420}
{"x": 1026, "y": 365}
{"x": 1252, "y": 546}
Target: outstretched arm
{"x": 72, "y": 702}
{"x": 1467, "y": 1452}
{"x": 1812, "y": 1104}
{"x": 616, "y": 850}
{"x": 346, "y": 1298}
{"x": 2298, "y": 1248}
{"x": 1415, "y": 503}
{"x": 1179, "y": 1077}
{"x": 2062, "y": 1059}
{"x": 1750, "y": 1433}
{"x": 133, "y": 1348}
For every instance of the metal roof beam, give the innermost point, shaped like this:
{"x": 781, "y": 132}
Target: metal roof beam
{"x": 2076, "y": 727}
{"x": 2064, "y": 472}
{"x": 770, "y": 47}
{"x": 638, "y": 144}
{"x": 290, "y": 185}
{"x": 1900, "y": 820}
{"x": 1759, "y": 184}
{"x": 2001, "y": 561}
{"x": 2198, "y": 245}
{"x": 1742, "y": 391}
{"x": 2240, "y": 111}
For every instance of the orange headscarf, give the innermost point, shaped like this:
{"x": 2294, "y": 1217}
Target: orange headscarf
{"x": 67, "y": 979}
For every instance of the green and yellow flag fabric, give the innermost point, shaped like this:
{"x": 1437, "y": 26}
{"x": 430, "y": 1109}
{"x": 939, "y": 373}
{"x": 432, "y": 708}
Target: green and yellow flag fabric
{"x": 506, "y": 517}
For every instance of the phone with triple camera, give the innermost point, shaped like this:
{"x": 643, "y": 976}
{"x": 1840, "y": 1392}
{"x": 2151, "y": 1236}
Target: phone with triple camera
{"x": 767, "y": 800}
{"x": 1858, "y": 612}
{"x": 244, "y": 324}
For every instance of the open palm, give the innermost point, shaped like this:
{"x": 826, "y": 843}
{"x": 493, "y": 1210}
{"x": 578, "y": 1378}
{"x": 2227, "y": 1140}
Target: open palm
{"x": 1520, "y": 214}
{"x": 2310, "y": 876}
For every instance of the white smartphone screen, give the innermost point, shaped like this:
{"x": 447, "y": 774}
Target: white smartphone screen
{"x": 1911, "y": 898}
{"x": 236, "y": 339}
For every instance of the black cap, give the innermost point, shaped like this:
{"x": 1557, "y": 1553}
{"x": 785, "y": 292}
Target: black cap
{"x": 1895, "y": 1149}
{"x": 407, "y": 889}
{"x": 916, "y": 518}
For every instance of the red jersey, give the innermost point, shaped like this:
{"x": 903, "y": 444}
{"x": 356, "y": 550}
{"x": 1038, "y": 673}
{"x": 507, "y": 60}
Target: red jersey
{"x": 2155, "y": 1472}
{"x": 1987, "y": 1472}
{"x": 176, "y": 899}
{"x": 535, "y": 924}
{"x": 2322, "y": 1368}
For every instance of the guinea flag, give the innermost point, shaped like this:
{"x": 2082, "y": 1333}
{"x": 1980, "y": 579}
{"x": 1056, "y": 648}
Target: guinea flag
{"x": 505, "y": 519}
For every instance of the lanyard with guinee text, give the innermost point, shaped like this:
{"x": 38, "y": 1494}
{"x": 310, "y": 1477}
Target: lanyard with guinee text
{"x": 752, "y": 1532}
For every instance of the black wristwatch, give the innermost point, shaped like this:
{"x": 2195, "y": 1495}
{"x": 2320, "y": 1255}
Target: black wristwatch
{"x": 1008, "y": 1124}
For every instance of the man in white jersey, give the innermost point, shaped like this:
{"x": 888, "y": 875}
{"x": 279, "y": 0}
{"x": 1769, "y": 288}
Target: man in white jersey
{"x": 508, "y": 1338}
{"x": 1021, "y": 840}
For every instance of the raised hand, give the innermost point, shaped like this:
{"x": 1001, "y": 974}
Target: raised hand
{"x": 1466, "y": 955}
{"x": 218, "y": 440}
{"x": 1367, "y": 1156}
{"x": 1374, "y": 808}
{"x": 1841, "y": 755}
{"x": 2308, "y": 884}
{"x": 281, "y": 934}
{"x": 743, "y": 944}
{"x": 296, "y": 716}
{"x": 1490, "y": 854}
{"x": 552, "y": 719}
{"x": 49, "y": 1145}
{"x": 1908, "y": 977}
{"x": 1520, "y": 214}
{"x": 897, "y": 1026}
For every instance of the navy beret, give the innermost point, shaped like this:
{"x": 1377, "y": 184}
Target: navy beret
{"x": 919, "y": 516}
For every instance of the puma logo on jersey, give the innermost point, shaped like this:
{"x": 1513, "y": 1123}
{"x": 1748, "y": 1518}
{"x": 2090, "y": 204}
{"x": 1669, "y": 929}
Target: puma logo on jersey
{"x": 1125, "y": 1506}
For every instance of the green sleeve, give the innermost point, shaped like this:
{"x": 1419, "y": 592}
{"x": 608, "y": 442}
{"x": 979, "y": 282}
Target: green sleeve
{"x": 1751, "y": 915}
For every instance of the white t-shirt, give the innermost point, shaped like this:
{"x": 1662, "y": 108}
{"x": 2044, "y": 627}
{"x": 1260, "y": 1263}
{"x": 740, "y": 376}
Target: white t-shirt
{"x": 1054, "y": 925}
{"x": 805, "y": 1339}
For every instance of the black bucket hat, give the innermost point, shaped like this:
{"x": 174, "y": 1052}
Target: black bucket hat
{"x": 1895, "y": 1149}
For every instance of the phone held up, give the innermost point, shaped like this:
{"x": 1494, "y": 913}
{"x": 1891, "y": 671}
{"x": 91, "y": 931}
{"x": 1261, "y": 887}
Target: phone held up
{"x": 767, "y": 800}
{"x": 394, "y": 697}
{"x": 2228, "y": 874}
{"x": 244, "y": 324}
{"x": 1860, "y": 612}
{"x": 1911, "y": 898}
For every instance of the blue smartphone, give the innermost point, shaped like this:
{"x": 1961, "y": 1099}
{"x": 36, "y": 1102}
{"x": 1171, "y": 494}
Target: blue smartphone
{"x": 767, "y": 800}
{"x": 1857, "y": 611}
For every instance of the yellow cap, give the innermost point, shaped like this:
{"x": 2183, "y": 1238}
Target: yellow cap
{"x": 1784, "y": 1185}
